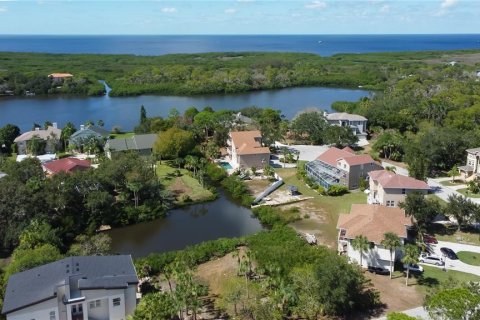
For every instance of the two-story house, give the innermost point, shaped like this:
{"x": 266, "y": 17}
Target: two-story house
{"x": 471, "y": 170}
{"x": 74, "y": 288}
{"x": 357, "y": 123}
{"x": 372, "y": 222}
{"x": 389, "y": 189}
{"x": 340, "y": 166}
{"x": 80, "y": 137}
{"x": 140, "y": 143}
{"x": 245, "y": 150}
{"x": 51, "y": 136}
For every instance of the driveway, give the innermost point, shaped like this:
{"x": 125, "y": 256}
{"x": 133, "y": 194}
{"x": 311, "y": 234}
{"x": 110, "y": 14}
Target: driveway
{"x": 307, "y": 152}
{"x": 398, "y": 170}
{"x": 419, "y": 313}
{"x": 456, "y": 264}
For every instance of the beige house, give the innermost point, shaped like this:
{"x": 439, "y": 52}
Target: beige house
{"x": 389, "y": 189}
{"x": 372, "y": 222}
{"x": 58, "y": 78}
{"x": 51, "y": 136}
{"x": 245, "y": 150}
{"x": 472, "y": 168}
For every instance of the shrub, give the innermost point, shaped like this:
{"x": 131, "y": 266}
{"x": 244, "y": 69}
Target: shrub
{"x": 337, "y": 190}
{"x": 270, "y": 216}
{"x": 215, "y": 173}
{"x": 321, "y": 190}
{"x": 363, "y": 184}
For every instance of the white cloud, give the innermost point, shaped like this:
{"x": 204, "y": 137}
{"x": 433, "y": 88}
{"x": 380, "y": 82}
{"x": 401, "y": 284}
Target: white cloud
{"x": 230, "y": 11}
{"x": 448, "y": 3}
{"x": 385, "y": 8}
{"x": 169, "y": 10}
{"x": 316, "y": 5}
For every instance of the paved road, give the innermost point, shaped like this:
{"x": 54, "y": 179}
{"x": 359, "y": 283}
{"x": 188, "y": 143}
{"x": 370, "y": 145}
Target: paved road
{"x": 418, "y": 312}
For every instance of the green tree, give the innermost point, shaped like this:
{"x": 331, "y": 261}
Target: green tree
{"x": 67, "y": 132}
{"x": 174, "y": 143}
{"x": 309, "y": 125}
{"x": 155, "y": 306}
{"x": 307, "y": 286}
{"x": 37, "y": 234}
{"x": 339, "y": 136}
{"x": 143, "y": 115}
{"x": 8, "y": 133}
{"x": 454, "y": 172}
{"x": 453, "y": 304}
{"x": 269, "y": 122}
{"x": 390, "y": 145}
{"x": 36, "y": 145}
{"x": 410, "y": 257}
{"x": 391, "y": 242}
{"x": 462, "y": 209}
{"x": 422, "y": 209}
{"x": 95, "y": 245}
{"x": 362, "y": 245}
{"x": 100, "y": 123}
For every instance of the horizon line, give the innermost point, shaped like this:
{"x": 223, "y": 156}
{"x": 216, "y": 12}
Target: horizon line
{"x": 237, "y": 34}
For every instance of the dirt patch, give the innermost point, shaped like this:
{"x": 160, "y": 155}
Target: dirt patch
{"x": 256, "y": 186}
{"x": 178, "y": 187}
{"x": 215, "y": 272}
{"x": 395, "y": 294}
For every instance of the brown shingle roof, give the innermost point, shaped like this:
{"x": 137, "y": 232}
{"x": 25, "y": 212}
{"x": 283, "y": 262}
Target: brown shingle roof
{"x": 373, "y": 221}
{"x": 248, "y": 142}
{"x": 332, "y": 155}
{"x": 391, "y": 180}
{"x": 60, "y": 75}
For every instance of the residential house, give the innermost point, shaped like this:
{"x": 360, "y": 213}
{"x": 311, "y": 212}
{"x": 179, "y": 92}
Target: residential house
{"x": 59, "y": 78}
{"x": 245, "y": 150}
{"x": 389, "y": 189}
{"x": 471, "y": 170}
{"x": 372, "y": 222}
{"x": 67, "y": 165}
{"x": 74, "y": 288}
{"x": 355, "y": 122}
{"x": 340, "y": 167}
{"x": 78, "y": 138}
{"x": 141, "y": 143}
{"x": 51, "y": 136}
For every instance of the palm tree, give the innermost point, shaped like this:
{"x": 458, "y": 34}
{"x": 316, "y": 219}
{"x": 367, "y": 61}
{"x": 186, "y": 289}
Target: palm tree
{"x": 391, "y": 169}
{"x": 391, "y": 242}
{"x": 453, "y": 172}
{"x": 410, "y": 256}
{"x": 361, "y": 244}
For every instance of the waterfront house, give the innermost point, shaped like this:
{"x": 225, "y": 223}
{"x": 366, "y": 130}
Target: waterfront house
{"x": 59, "y": 78}
{"x": 471, "y": 170}
{"x": 67, "y": 165}
{"x": 245, "y": 150}
{"x": 357, "y": 123}
{"x": 74, "y": 288}
{"x": 340, "y": 167}
{"x": 78, "y": 138}
{"x": 372, "y": 222}
{"x": 140, "y": 143}
{"x": 51, "y": 136}
{"x": 389, "y": 189}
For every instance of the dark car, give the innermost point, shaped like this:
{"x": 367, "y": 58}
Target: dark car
{"x": 378, "y": 270}
{"x": 449, "y": 253}
{"x": 428, "y": 239}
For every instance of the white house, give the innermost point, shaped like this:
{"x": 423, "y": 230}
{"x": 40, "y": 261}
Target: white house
{"x": 471, "y": 170}
{"x": 389, "y": 189}
{"x": 372, "y": 222}
{"x": 357, "y": 123}
{"x": 74, "y": 288}
{"x": 245, "y": 150}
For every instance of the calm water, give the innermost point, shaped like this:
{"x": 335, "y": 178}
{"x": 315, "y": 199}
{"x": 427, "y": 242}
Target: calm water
{"x": 125, "y": 111}
{"x": 324, "y": 45}
{"x": 201, "y": 222}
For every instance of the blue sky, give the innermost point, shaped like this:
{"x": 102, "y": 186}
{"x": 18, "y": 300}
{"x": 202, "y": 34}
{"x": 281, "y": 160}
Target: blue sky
{"x": 239, "y": 17}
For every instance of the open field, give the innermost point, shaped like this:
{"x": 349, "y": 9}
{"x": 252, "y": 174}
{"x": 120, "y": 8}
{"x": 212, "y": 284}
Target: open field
{"x": 183, "y": 185}
{"x": 449, "y": 183}
{"x": 472, "y": 238}
{"x": 469, "y": 257}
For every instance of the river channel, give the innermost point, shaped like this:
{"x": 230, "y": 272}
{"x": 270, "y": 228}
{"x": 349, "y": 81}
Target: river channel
{"x": 190, "y": 225}
{"x": 124, "y": 111}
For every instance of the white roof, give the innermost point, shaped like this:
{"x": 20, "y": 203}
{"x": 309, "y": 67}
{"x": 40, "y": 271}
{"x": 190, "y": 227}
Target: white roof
{"x": 345, "y": 116}
{"x": 42, "y": 158}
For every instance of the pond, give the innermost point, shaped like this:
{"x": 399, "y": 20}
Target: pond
{"x": 186, "y": 226}
{"x": 125, "y": 111}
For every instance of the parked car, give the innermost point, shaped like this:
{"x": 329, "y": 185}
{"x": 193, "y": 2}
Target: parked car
{"x": 449, "y": 253}
{"x": 430, "y": 259}
{"x": 413, "y": 268}
{"x": 378, "y": 270}
{"x": 428, "y": 239}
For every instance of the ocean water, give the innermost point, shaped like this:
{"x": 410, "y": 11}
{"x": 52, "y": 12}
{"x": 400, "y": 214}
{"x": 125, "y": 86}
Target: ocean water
{"x": 324, "y": 45}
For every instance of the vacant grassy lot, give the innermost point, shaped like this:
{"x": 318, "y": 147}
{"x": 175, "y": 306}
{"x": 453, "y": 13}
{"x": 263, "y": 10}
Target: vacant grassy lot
{"x": 325, "y": 209}
{"x": 461, "y": 237}
{"x": 469, "y": 257}
{"x": 182, "y": 185}
{"x": 449, "y": 183}
{"x": 468, "y": 194}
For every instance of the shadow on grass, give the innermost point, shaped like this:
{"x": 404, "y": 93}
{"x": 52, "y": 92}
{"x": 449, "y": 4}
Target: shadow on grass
{"x": 426, "y": 281}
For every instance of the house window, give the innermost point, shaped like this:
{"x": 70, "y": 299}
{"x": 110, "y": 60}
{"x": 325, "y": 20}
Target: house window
{"x": 390, "y": 203}
{"x": 95, "y": 304}
{"x": 403, "y": 191}
{"x": 116, "y": 302}
{"x": 52, "y": 315}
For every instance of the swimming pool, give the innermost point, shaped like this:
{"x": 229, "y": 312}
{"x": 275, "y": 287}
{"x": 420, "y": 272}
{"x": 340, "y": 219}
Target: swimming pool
{"x": 225, "y": 165}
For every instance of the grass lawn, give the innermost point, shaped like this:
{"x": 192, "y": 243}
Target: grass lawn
{"x": 468, "y": 257}
{"x": 461, "y": 237}
{"x": 434, "y": 276}
{"x": 122, "y": 135}
{"x": 328, "y": 207}
{"x": 184, "y": 184}
{"x": 435, "y": 197}
{"x": 469, "y": 195}
{"x": 449, "y": 183}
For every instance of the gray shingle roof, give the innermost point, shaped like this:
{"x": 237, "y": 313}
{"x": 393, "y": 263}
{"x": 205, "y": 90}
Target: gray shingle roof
{"x": 137, "y": 142}
{"x": 92, "y": 272}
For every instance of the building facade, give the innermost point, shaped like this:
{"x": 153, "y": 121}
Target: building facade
{"x": 357, "y": 123}
{"x": 51, "y": 136}
{"x": 471, "y": 170}
{"x": 245, "y": 150}
{"x": 340, "y": 167}
{"x": 389, "y": 189}
{"x": 74, "y": 288}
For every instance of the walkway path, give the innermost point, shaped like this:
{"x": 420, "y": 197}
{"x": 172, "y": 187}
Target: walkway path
{"x": 419, "y": 313}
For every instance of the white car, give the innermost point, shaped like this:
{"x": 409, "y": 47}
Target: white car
{"x": 413, "y": 267}
{"x": 430, "y": 259}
